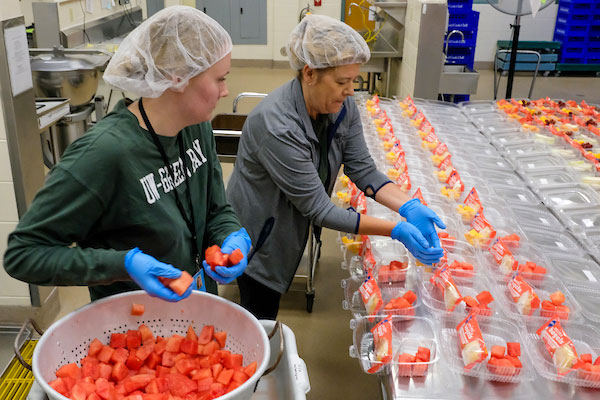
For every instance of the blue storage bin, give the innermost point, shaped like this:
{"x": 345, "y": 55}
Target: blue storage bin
{"x": 463, "y": 21}
{"x": 564, "y": 29}
{"x": 578, "y": 5}
{"x": 572, "y": 38}
{"x": 573, "y": 60}
{"x": 593, "y": 60}
{"x": 574, "y": 16}
{"x": 459, "y": 5}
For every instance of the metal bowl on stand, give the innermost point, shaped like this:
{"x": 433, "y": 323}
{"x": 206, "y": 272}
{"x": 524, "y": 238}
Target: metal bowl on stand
{"x": 74, "y": 74}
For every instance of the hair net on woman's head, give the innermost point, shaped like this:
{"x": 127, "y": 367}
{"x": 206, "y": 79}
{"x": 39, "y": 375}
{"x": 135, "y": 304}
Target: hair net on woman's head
{"x": 322, "y": 42}
{"x": 166, "y": 51}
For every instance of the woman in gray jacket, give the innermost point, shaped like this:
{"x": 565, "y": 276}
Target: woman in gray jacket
{"x": 292, "y": 146}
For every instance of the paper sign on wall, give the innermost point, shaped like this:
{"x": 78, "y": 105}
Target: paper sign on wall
{"x": 17, "y": 54}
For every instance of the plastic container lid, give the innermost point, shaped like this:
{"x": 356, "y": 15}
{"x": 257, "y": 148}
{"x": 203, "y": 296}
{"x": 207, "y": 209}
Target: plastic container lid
{"x": 582, "y": 220}
{"x": 550, "y": 177}
{"x": 495, "y": 332}
{"x": 478, "y": 106}
{"x": 589, "y": 299}
{"x": 564, "y": 197}
{"x": 523, "y": 253}
{"x": 537, "y": 215}
{"x": 575, "y": 270}
{"x": 552, "y": 241}
{"x": 516, "y": 196}
{"x": 535, "y": 161}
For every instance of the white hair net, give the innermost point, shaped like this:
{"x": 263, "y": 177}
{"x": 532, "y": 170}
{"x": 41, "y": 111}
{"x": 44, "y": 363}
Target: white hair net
{"x": 322, "y": 42}
{"x": 166, "y": 51}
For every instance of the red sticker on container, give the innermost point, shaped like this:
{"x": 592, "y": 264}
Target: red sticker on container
{"x": 442, "y": 279}
{"x": 480, "y": 224}
{"x": 419, "y": 195}
{"x": 404, "y": 181}
{"x": 447, "y": 163}
{"x": 471, "y": 342}
{"x": 559, "y": 345}
{"x": 523, "y": 295}
{"x": 371, "y": 296}
{"x": 400, "y": 163}
{"x": 382, "y": 341}
{"x": 440, "y": 149}
{"x": 499, "y": 251}
{"x": 472, "y": 200}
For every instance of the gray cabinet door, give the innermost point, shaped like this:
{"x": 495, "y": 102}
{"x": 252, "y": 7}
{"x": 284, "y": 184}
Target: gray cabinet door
{"x": 245, "y": 20}
{"x": 219, "y": 10}
{"x": 249, "y": 21}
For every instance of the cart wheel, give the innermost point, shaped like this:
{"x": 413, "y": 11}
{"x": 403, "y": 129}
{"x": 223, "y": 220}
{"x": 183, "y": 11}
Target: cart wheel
{"x": 546, "y": 74}
{"x": 310, "y": 298}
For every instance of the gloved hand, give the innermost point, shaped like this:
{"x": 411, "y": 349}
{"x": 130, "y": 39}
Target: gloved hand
{"x": 423, "y": 218}
{"x": 236, "y": 240}
{"x": 145, "y": 270}
{"x": 414, "y": 241}
{"x": 199, "y": 278}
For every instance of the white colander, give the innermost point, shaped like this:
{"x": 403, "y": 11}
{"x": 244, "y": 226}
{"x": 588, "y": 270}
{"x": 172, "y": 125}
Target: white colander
{"x": 68, "y": 339}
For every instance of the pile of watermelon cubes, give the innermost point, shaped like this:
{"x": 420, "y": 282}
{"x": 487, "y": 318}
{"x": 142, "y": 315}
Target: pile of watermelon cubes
{"x": 136, "y": 365}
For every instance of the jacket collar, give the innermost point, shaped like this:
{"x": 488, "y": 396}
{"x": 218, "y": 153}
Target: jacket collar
{"x": 300, "y": 106}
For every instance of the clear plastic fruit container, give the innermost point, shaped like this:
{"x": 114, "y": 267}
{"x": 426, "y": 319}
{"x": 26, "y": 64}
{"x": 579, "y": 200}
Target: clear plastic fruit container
{"x": 433, "y": 298}
{"x": 408, "y": 334}
{"x": 581, "y": 220}
{"x": 554, "y": 242}
{"x": 537, "y": 216}
{"x": 389, "y": 291}
{"x": 523, "y": 146}
{"x": 495, "y": 127}
{"x": 569, "y": 196}
{"x": 588, "y": 297}
{"x": 494, "y": 177}
{"x": 387, "y": 252}
{"x": 575, "y": 270}
{"x": 503, "y": 139}
{"x": 479, "y": 107}
{"x": 586, "y": 340}
{"x": 495, "y": 332}
{"x": 522, "y": 252}
{"x": 461, "y": 252}
{"x": 533, "y": 161}
{"x": 543, "y": 289}
{"x": 513, "y": 195}
{"x": 545, "y": 177}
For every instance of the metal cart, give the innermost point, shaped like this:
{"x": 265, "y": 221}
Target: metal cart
{"x": 227, "y": 129}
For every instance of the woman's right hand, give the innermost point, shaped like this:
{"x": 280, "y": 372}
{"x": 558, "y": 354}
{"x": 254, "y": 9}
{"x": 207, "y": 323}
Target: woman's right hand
{"x": 415, "y": 242}
{"x": 145, "y": 271}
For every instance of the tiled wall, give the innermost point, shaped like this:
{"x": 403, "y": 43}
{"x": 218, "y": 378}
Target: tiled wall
{"x": 12, "y": 291}
{"x": 494, "y": 26}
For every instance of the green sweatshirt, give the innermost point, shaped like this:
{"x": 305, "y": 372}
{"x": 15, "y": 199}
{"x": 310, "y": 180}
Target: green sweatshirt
{"x": 111, "y": 193}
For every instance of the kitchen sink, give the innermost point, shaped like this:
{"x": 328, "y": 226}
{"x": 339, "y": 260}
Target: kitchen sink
{"x": 458, "y": 79}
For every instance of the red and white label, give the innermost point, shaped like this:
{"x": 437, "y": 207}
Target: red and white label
{"x": 454, "y": 181}
{"x": 469, "y": 332}
{"x": 479, "y": 223}
{"x": 517, "y": 286}
{"x": 447, "y": 163}
{"x": 419, "y": 195}
{"x": 431, "y": 137}
{"x": 400, "y": 163}
{"x": 499, "y": 250}
{"x": 427, "y": 127}
{"x": 382, "y": 340}
{"x": 404, "y": 181}
{"x": 553, "y": 335}
{"x": 440, "y": 149}
{"x": 371, "y": 296}
{"x": 472, "y": 200}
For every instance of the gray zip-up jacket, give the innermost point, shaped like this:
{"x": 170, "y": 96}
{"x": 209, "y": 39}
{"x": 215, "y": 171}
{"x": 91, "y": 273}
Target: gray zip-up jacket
{"x": 276, "y": 175}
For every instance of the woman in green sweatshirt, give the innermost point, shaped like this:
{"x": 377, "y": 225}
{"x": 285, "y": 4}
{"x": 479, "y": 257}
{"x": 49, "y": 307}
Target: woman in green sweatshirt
{"x": 140, "y": 195}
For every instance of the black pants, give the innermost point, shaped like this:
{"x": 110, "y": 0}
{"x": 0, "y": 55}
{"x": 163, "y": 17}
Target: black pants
{"x": 260, "y": 300}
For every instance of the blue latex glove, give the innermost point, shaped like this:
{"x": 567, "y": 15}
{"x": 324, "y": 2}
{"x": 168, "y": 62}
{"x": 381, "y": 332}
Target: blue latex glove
{"x": 145, "y": 270}
{"x": 414, "y": 241}
{"x": 236, "y": 240}
{"x": 199, "y": 278}
{"x": 424, "y": 219}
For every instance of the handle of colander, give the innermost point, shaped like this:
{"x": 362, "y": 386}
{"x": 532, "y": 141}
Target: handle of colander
{"x": 18, "y": 341}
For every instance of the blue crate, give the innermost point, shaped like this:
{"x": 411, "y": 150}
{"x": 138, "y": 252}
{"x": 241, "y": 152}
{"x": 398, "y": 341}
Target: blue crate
{"x": 574, "y": 17}
{"x": 572, "y": 38}
{"x": 593, "y": 60}
{"x": 573, "y": 60}
{"x": 464, "y": 21}
{"x": 461, "y": 5}
{"x": 457, "y": 97}
{"x": 564, "y": 29}
{"x": 573, "y": 50}
{"x": 578, "y": 5}
{"x": 456, "y": 42}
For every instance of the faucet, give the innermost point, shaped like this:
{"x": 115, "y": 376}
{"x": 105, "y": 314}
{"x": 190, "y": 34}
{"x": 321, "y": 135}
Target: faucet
{"x": 462, "y": 35}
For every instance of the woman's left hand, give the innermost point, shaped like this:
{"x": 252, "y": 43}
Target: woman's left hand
{"x": 424, "y": 219}
{"x": 236, "y": 240}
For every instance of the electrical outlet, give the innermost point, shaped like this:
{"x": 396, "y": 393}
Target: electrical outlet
{"x": 123, "y": 2}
